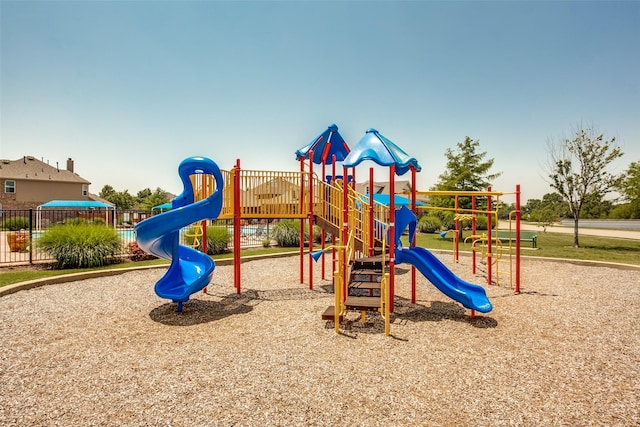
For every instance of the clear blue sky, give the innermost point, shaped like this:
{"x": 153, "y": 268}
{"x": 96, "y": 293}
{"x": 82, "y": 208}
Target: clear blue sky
{"x": 130, "y": 88}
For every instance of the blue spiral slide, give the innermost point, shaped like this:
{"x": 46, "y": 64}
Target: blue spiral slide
{"x": 469, "y": 295}
{"x": 190, "y": 270}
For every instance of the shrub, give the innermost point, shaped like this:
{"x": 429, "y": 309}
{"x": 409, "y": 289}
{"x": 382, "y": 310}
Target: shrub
{"x": 448, "y": 220}
{"x": 16, "y": 223}
{"x": 99, "y": 221}
{"x": 77, "y": 244}
{"x": 429, "y": 224}
{"x": 137, "y": 254}
{"x": 75, "y": 221}
{"x": 218, "y": 238}
{"x": 286, "y": 233}
{"x": 317, "y": 233}
{"x": 481, "y": 222}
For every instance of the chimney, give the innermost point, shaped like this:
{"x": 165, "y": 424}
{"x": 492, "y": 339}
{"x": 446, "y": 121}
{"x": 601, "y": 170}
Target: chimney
{"x": 70, "y": 164}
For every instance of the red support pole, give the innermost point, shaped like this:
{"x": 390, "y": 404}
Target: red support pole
{"x": 345, "y": 225}
{"x": 490, "y": 239}
{"x": 518, "y": 238}
{"x": 301, "y": 222}
{"x": 324, "y": 208}
{"x": 392, "y": 232}
{"x": 310, "y": 213}
{"x": 203, "y": 224}
{"x": 203, "y": 245}
{"x": 413, "y": 244}
{"x": 237, "y": 215}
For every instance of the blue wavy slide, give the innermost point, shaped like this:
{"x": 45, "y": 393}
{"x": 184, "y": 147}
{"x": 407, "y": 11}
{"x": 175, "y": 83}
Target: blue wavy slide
{"x": 190, "y": 270}
{"x": 469, "y": 295}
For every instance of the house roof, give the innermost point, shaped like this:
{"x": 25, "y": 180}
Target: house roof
{"x": 31, "y": 169}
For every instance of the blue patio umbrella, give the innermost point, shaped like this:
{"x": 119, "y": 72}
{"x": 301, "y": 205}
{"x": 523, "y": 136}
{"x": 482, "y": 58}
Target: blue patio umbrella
{"x": 324, "y": 146}
{"x": 375, "y": 147}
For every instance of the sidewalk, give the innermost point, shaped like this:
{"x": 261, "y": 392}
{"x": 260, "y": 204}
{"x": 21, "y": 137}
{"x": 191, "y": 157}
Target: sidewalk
{"x": 605, "y": 232}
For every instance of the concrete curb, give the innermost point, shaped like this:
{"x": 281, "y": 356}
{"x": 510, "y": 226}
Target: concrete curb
{"x": 63, "y": 278}
{"x": 21, "y": 286}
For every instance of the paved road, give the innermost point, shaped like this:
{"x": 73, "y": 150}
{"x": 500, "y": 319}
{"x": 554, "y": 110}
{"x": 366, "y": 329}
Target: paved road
{"x": 606, "y": 232}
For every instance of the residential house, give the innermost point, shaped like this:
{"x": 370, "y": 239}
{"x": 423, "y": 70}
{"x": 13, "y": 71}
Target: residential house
{"x": 28, "y": 182}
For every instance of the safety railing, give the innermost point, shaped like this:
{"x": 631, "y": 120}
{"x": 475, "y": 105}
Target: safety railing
{"x": 265, "y": 194}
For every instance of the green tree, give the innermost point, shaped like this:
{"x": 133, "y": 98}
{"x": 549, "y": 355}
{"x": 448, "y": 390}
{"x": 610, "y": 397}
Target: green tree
{"x": 545, "y": 212}
{"x": 122, "y": 200}
{"x": 106, "y": 192}
{"x": 578, "y": 169}
{"x": 505, "y": 209}
{"x": 466, "y": 170}
{"x": 142, "y": 195}
{"x": 629, "y": 185}
{"x": 596, "y": 207}
{"x": 629, "y": 188}
{"x": 158, "y": 197}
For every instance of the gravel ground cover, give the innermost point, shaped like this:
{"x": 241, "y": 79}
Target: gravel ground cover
{"x": 107, "y": 351}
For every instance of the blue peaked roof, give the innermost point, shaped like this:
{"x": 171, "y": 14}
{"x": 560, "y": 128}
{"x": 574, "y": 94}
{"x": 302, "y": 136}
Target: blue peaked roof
{"x": 373, "y": 146}
{"x": 324, "y": 146}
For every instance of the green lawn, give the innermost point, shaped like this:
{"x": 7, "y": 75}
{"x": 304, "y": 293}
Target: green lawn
{"x": 552, "y": 245}
{"x": 558, "y": 245}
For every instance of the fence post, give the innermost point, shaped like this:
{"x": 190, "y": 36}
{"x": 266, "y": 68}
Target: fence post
{"x": 31, "y": 236}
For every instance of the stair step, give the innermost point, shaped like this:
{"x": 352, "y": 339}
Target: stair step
{"x": 364, "y": 284}
{"x": 372, "y": 274}
{"x": 362, "y": 303}
{"x": 330, "y": 314}
{"x": 370, "y": 260}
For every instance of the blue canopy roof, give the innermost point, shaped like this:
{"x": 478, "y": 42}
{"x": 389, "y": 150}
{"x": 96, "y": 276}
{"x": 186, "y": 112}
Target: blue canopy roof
{"x": 163, "y": 207}
{"x": 398, "y": 200}
{"x": 77, "y": 204}
{"x": 324, "y": 146}
{"x": 373, "y": 146}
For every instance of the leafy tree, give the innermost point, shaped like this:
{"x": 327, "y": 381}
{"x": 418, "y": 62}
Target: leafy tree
{"x": 529, "y": 207}
{"x": 142, "y": 195}
{"x": 629, "y": 185}
{"x": 578, "y": 169}
{"x": 106, "y": 192}
{"x": 122, "y": 200}
{"x": 626, "y": 211}
{"x": 466, "y": 170}
{"x": 629, "y": 188}
{"x": 505, "y": 209}
{"x": 595, "y": 207}
{"x": 158, "y": 197}
{"x": 545, "y": 212}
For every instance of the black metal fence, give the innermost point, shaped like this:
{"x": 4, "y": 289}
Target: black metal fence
{"x": 21, "y": 228}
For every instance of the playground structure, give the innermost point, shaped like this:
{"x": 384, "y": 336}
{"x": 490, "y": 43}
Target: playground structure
{"x": 366, "y": 236}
